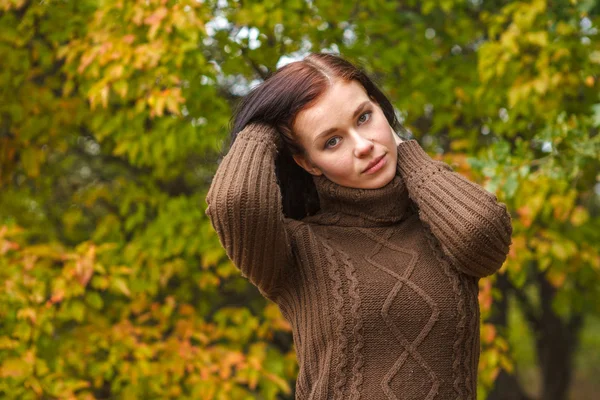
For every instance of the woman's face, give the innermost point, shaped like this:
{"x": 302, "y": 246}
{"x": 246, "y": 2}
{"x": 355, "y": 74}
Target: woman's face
{"x": 342, "y": 133}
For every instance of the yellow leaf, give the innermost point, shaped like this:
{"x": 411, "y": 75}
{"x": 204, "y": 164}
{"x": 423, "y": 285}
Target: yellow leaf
{"x": 556, "y": 278}
{"x": 159, "y": 106}
{"x": 541, "y": 85}
{"x": 121, "y": 285}
{"x": 30, "y": 158}
{"x": 506, "y": 364}
{"x": 540, "y": 38}
{"x": 104, "y": 95}
{"x": 7, "y": 343}
{"x": 13, "y": 368}
{"x": 560, "y": 250}
{"x": 28, "y": 313}
{"x": 589, "y": 81}
{"x": 579, "y": 216}
{"x": 280, "y": 382}
{"x": 459, "y": 144}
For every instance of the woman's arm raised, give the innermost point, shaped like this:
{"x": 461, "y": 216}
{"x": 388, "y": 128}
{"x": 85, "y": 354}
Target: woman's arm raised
{"x": 244, "y": 207}
{"x": 472, "y": 227}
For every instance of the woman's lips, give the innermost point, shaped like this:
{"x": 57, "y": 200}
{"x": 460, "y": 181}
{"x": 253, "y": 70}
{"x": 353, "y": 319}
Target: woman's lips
{"x": 382, "y": 161}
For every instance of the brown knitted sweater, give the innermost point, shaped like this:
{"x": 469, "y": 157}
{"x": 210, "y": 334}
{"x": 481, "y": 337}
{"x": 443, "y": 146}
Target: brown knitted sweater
{"x": 381, "y": 285}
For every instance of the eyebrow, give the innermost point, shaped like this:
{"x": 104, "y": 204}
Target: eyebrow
{"x": 356, "y": 112}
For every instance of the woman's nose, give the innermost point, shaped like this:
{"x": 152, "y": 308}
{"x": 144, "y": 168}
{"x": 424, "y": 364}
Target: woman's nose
{"x": 363, "y": 145}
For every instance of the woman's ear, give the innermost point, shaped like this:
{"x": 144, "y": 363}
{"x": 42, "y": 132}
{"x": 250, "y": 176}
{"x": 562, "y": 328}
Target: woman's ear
{"x": 303, "y": 162}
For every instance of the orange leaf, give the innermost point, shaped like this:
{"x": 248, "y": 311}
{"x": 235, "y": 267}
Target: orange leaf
{"x": 488, "y": 333}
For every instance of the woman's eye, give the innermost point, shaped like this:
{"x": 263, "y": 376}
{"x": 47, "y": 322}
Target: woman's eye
{"x": 366, "y": 113}
{"x": 327, "y": 144}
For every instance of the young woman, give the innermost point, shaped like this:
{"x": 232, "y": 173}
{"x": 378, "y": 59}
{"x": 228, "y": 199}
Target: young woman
{"x": 371, "y": 249}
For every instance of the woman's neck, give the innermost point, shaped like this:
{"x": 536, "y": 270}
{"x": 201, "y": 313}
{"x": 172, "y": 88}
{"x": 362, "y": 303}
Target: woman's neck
{"x": 346, "y": 206}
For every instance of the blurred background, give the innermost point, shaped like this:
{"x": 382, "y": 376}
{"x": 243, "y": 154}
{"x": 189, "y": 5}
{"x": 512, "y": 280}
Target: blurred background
{"x": 113, "y": 117}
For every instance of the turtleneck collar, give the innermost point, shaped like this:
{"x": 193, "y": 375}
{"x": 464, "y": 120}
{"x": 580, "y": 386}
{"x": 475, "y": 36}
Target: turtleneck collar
{"x": 345, "y": 206}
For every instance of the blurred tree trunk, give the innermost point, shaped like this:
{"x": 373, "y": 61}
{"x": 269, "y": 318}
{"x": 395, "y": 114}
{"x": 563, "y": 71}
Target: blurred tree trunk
{"x": 556, "y": 342}
{"x": 556, "y": 338}
{"x": 506, "y": 386}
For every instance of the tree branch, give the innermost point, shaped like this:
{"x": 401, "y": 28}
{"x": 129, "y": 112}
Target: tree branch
{"x": 526, "y": 305}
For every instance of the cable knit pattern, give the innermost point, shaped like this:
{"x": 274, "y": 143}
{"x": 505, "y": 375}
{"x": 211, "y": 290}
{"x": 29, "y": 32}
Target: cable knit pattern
{"x": 460, "y": 305}
{"x": 357, "y": 330}
{"x": 410, "y": 349}
{"x": 381, "y": 285}
{"x": 334, "y": 274}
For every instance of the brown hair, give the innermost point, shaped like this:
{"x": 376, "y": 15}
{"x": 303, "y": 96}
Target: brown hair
{"x": 278, "y": 100}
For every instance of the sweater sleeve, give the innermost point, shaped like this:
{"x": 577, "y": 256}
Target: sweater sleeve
{"x": 474, "y": 229}
{"x": 244, "y": 207}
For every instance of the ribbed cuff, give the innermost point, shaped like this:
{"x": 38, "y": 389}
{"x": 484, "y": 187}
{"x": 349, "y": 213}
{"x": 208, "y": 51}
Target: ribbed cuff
{"x": 415, "y": 165}
{"x": 412, "y": 159}
{"x": 262, "y": 132}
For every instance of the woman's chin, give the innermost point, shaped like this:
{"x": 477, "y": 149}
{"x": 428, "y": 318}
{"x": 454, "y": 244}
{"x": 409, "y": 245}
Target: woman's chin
{"x": 375, "y": 181}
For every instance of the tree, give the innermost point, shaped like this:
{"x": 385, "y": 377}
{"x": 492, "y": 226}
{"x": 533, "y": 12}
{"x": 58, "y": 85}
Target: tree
{"x": 115, "y": 285}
